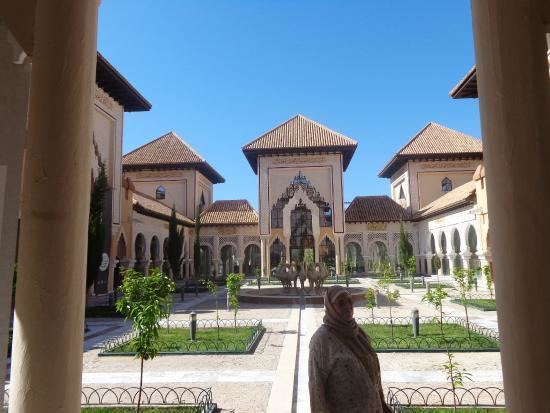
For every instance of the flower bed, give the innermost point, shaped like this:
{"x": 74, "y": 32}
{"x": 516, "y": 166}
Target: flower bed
{"x": 176, "y": 339}
{"x": 484, "y": 304}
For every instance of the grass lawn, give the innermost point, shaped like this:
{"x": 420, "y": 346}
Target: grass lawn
{"x": 178, "y": 340}
{"x": 430, "y": 337}
{"x": 407, "y": 284}
{"x": 181, "y": 409}
{"x": 485, "y": 304}
{"x": 450, "y": 409}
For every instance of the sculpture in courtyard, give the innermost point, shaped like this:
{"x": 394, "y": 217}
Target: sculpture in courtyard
{"x": 317, "y": 274}
{"x": 302, "y": 275}
{"x": 286, "y": 276}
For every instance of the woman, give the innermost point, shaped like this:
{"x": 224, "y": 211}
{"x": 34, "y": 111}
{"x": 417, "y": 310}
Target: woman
{"x": 344, "y": 372}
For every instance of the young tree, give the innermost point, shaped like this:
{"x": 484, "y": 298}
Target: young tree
{"x": 405, "y": 247}
{"x": 233, "y": 286}
{"x": 175, "y": 245}
{"x": 388, "y": 277}
{"x": 411, "y": 269}
{"x": 197, "y": 244}
{"x": 213, "y": 289}
{"x": 455, "y": 375}
{"x": 465, "y": 282}
{"x": 145, "y": 302}
{"x": 96, "y": 226}
{"x": 435, "y": 297}
{"x": 437, "y": 265}
{"x": 489, "y": 279}
{"x": 370, "y": 301}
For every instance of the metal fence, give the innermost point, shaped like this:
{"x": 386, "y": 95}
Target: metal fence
{"x": 196, "y": 398}
{"x": 401, "y": 399}
{"x": 232, "y": 346}
{"x": 485, "y": 340}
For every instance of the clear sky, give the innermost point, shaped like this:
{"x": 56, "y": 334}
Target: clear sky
{"x": 221, "y": 73}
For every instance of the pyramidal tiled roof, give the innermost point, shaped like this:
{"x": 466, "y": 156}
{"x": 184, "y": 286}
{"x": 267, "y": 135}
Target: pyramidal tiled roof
{"x": 146, "y": 205}
{"x": 377, "y": 208}
{"x": 435, "y": 141}
{"x": 300, "y": 135}
{"x": 460, "y": 196}
{"x": 169, "y": 152}
{"x": 230, "y": 212}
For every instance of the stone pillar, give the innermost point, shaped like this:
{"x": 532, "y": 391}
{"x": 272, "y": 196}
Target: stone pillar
{"x": 15, "y": 69}
{"x": 429, "y": 264}
{"x": 267, "y": 257}
{"x": 452, "y": 257}
{"x": 513, "y": 85}
{"x": 440, "y": 270}
{"x": 466, "y": 260}
{"x": 49, "y": 317}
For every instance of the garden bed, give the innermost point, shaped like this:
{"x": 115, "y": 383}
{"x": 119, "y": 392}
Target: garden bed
{"x": 483, "y": 304}
{"x": 430, "y": 339}
{"x": 450, "y": 409}
{"x": 208, "y": 340}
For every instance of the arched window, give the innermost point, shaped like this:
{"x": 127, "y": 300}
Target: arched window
{"x": 277, "y": 253}
{"x": 401, "y": 194}
{"x": 160, "y": 193}
{"x": 277, "y": 215}
{"x": 327, "y": 252}
{"x": 202, "y": 203}
{"x": 325, "y": 216}
{"x": 446, "y": 185}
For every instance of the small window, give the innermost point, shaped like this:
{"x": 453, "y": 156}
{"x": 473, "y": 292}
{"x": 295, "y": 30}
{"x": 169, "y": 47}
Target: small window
{"x": 401, "y": 193}
{"x": 446, "y": 185}
{"x": 160, "y": 193}
{"x": 202, "y": 203}
{"x": 325, "y": 219}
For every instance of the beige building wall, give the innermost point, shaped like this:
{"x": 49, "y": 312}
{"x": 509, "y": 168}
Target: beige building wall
{"x": 422, "y": 180}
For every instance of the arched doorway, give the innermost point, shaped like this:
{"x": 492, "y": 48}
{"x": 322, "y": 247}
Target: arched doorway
{"x": 228, "y": 255}
{"x": 445, "y": 259}
{"x": 327, "y": 253}
{"x": 456, "y": 249}
{"x": 165, "y": 263}
{"x": 139, "y": 252}
{"x": 354, "y": 256}
{"x": 252, "y": 260}
{"x": 474, "y": 262}
{"x": 277, "y": 254}
{"x": 154, "y": 250}
{"x": 301, "y": 232}
{"x": 433, "y": 251}
{"x": 378, "y": 253}
{"x": 206, "y": 261}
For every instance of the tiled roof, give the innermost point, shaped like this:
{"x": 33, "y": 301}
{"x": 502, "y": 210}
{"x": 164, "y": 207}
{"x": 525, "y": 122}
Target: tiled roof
{"x": 231, "y": 212}
{"x": 375, "y": 209}
{"x": 146, "y": 205}
{"x": 169, "y": 152}
{"x": 435, "y": 141}
{"x": 458, "y": 197}
{"x": 300, "y": 135}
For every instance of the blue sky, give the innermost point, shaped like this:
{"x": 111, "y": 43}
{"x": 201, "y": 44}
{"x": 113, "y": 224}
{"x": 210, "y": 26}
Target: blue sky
{"x": 220, "y": 73}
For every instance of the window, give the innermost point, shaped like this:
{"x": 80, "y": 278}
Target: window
{"x": 160, "y": 193}
{"x": 446, "y": 185}
{"x": 401, "y": 194}
{"x": 325, "y": 217}
{"x": 202, "y": 203}
{"x": 277, "y": 215}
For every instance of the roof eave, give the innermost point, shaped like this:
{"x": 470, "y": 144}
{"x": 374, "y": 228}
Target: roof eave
{"x": 202, "y": 167}
{"x": 448, "y": 208}
{"x": 153, "y": 214}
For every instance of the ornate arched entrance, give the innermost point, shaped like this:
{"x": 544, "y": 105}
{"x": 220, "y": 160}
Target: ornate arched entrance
{"x": 252, "y": 259}
{"x": 301, "y": 232}
{"x": 354, "y": 256}
{"x": 277, "y": 254}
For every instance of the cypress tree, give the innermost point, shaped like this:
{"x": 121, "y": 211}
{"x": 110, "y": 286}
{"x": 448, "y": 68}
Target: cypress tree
{"x": 175, "y": 245}
{"x": 197, "y": 244}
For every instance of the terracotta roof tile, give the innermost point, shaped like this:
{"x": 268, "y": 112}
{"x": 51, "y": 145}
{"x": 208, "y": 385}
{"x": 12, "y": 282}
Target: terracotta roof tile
{"x": 169, "y": 152}
{"x": 435, "y": 141}
{"x": 375, "y": 209}
{"x": 458, "y": 197}
{"x": 230, "y": 212}
{"x": 298, "y": 135}
{"x": 146, "y": 205}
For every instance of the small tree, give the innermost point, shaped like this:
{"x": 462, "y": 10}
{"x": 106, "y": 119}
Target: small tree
{"x": 411, "y": 269}
{"x": 488, "y": 278}
{"x": 213, "y": 289}
{"x": 96, "y": 226}
{"x": 145, "y": 302}
{"x": 465, "y": 282}
{"x": 435, "y": 297}
{"x": 405, "y": 247}
{"x": 233, "y": 286}
{"x": 455, "y": 375}
{"x": 175, "y": 245}
{"x": 258, "y": 273}
{"x": 197, "y": 244}
{"x": 388, "y": 277}
{"x": 370, "y": 301}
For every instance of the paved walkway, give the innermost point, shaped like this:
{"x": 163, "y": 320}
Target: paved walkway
{"x": 274, "y": 379}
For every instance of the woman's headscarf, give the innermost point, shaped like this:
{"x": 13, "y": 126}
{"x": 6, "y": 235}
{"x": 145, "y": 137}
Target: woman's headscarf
{"x": 350, "y": 334}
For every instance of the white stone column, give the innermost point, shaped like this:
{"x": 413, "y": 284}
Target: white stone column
{"x": 15, "y": 69}
{"x": 429, "y": 264}
{"x": 262, "y": 256}
{"x": 49, "y": 317}
{"x": 440, "y": 270}
{"x": 513, "y": 85}
{"x": 267, "y": 257}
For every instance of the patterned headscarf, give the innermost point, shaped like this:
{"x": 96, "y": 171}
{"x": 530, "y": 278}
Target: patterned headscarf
{"x": 350, "y": 334}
